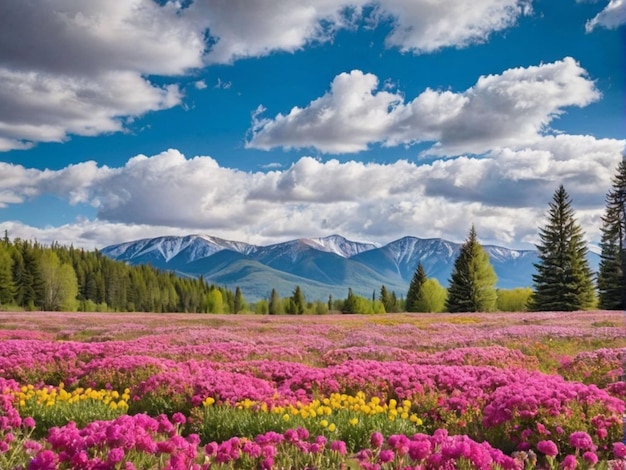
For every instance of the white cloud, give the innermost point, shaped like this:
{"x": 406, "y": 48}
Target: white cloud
{"x": 80, "y": 68}
{"x": 425, "y": 26}
{"x": 200, "y": 85}
{"x": 253, "y": 28}
{"x": 612, "y": 17}
{"x": 505, "y": 194}
{"x": 510, "y": 109}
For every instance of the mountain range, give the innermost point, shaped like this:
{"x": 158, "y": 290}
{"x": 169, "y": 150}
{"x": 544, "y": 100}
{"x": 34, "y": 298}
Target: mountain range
{"x": 320, "y": 266}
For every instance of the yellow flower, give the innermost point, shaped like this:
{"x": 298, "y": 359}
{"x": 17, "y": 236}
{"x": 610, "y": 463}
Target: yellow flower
{"x": 286, "y": 417}
{"x": 354, "y": 421}
{"x": 324, "y": 423}
{"x": 332, "y": 427}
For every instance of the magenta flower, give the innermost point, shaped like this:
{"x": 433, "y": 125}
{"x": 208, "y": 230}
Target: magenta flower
{"x": 590, "y": 457}
{"x": 339, "y": 447}
{"x": 28, "y": 422}
{"x": 548, "y": 448}
{"x": 569, "y": 463}
{"x": 376, "y": 439}
{"x": 581, "y": 440}
{"x": 179, "y": 418}
{"x": 619, "y": 450}
{"x": 386, "y": 456}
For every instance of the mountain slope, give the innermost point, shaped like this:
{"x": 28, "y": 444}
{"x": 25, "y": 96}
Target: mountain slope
{"x": 320, "y": 266}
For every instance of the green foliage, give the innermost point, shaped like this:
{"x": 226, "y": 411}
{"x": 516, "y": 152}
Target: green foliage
{"x": 358, "y": 304}
{"x": 60, "y": 283}
{"x": 215, "y": 302}
{"x": 7, "y": 286}
{"x": 563, "y": 280}
{"x": 261, "y": 307}
{"x": 473, "y": 280}
{"x": 320, "y": 308}
{"x": 413, "y": 294}
{"x": 611, "y": 280}
{"x": 513, "y": 300}
{"x": 297, "y": 302}
{"x": 431, "y": 298}
{"x": 239, "y": 301}
{"x": 275, "y": 304}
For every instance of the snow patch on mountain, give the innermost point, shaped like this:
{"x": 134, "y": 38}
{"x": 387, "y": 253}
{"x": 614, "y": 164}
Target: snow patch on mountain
{"x": 338, "y": 245}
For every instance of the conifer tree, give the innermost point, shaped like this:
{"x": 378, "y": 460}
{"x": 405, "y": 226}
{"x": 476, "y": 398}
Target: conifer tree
{"x": 611, "y": 279}
{"x": 385, "y": 299}
{"x": 563, "y": 280}
{"x": 413, "y": 294}
{"x": 240, "y": 303}
{"x": 472, "y": 285}
{"x": 297, "y": 302}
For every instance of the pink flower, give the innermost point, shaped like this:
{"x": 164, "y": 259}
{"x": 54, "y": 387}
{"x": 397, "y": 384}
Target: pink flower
{"x": 548, "y": 448}
{"x": 569, "y": 463}
{"x": 419, "y": 450}
{"x": 581, "y": 440}
{"x": 339, "y": 447}
{"x": 386, "y": 456}
{"x": 590, "y": 457}
{"x": 619, "y": 450}
{"x": 376, "y": 439}
{"x": 28, "y": 422}
{"x": 179, "y": 418}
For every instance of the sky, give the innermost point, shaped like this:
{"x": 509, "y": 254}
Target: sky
{"x": 262, "y": 121}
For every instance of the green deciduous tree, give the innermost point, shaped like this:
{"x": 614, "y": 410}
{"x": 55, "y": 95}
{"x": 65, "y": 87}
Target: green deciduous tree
{"x": 60, "y": 284}
{"x": 7, "y": 286}
{"x": 513, "y": 300}
{"x": 215, "y": 301}
{"x": 432, "y": 297}
{"x": 611, "y": 279}
{"x": 563, "y": 280}
{"x": 472, "y": 284}
{"x": 413, "y": 294}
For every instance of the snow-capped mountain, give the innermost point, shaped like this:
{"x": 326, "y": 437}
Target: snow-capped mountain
{"x": 320, "y": 266}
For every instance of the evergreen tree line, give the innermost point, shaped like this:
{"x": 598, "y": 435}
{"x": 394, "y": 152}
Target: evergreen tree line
{"x": 563, "y": 280}
{"x": 34, "y": 277}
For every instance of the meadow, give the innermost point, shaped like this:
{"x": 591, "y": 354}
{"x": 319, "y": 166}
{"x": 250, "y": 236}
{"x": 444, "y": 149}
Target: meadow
{"x": 395, "y": 391}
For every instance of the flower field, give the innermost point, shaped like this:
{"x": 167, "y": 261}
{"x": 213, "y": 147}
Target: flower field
{"x": 398, "y": 391}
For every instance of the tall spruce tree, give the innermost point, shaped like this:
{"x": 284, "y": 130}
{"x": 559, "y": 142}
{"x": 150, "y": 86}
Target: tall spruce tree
{"x": 413, "y": 294}
{"x": 563, "y": 280}
{"x": 472, "y": 286}
{"x": 611, "y": 280}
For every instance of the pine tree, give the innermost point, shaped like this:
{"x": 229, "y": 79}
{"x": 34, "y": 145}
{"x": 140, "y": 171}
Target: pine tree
{"x": 385, "y": 299}
{"x": 563, "y": 281}
{"x": 472, "y": 284}
{"x": 611, "y": 280}
{"x": 240, "y": 303}
{"x": 7, "y": 286}
{"x": 297, "y": 302}
{"x": 412, "y": 296}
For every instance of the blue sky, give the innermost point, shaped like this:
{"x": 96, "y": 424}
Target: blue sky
{"x": 267, "y": 120}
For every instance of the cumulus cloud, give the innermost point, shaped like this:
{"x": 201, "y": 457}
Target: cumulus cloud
{"x": 67, "y": 68}
{"x": 612, "y": 17}
{"x": 505, "y": 194}
{"x": 510, "y": 109}
{"x": 425, "y": 26}
{"x": 248, "y": 28}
